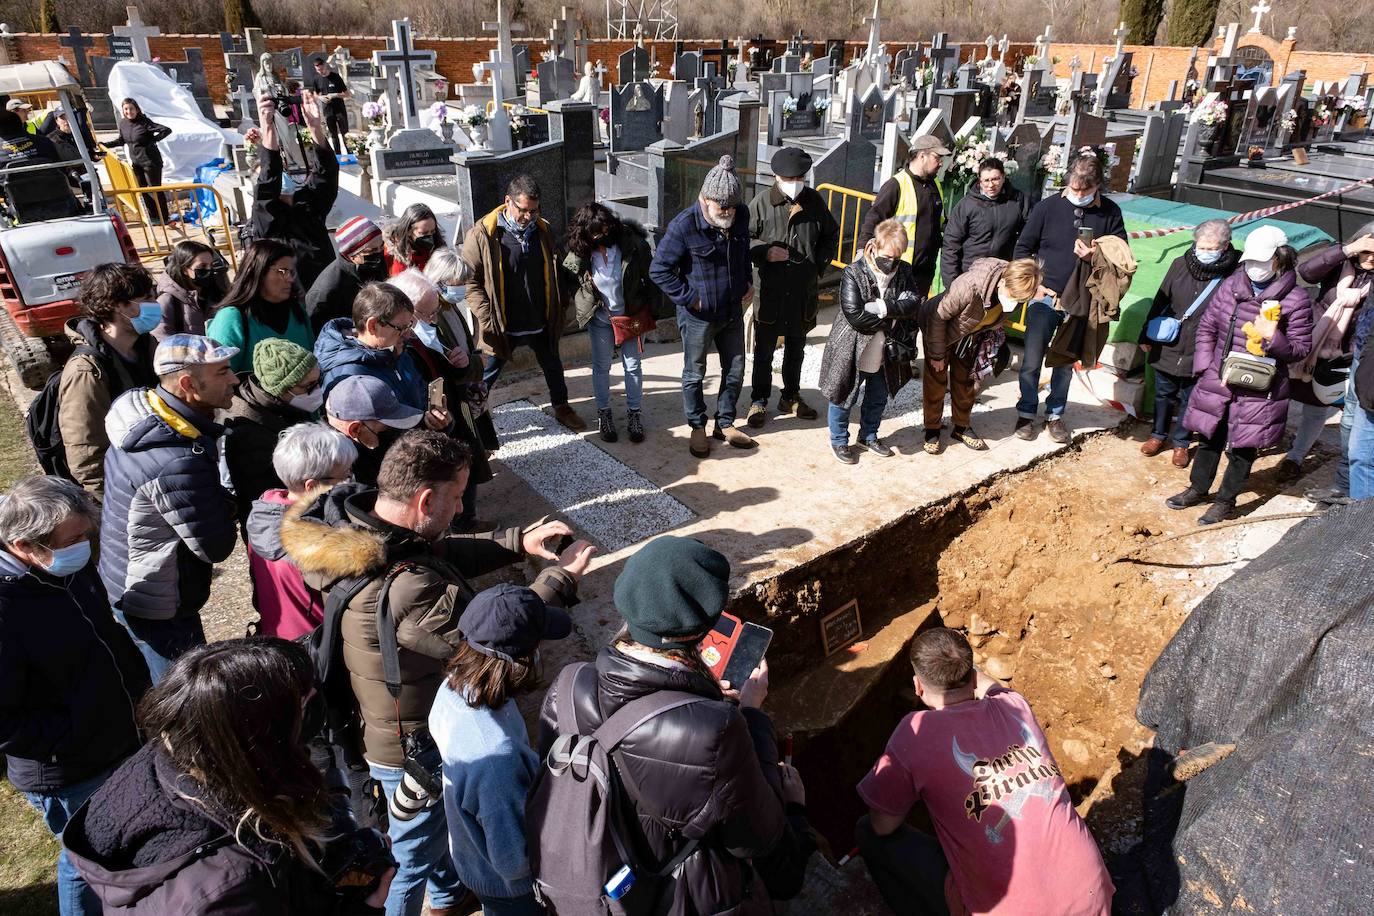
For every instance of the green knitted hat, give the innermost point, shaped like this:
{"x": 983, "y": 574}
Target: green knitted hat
{"x": 671, "y": 591}
{"x": 279, "y": 365}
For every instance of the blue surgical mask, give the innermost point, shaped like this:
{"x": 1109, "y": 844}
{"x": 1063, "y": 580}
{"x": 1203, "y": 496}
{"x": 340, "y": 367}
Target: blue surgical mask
{"x": 428, "y": 335}
{"x": 1079, "y": 201}
{"x": 1207, "y": 257}
{"x": 149, "y": 316}
{"x": 455, "y": 294}
{"x": 69, "y": 560}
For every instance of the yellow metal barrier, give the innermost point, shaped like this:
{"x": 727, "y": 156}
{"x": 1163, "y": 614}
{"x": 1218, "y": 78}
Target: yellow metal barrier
{"x": 850, "y": 199}
{"x": 491, "y": 108}
{"x": 155, "y": 238}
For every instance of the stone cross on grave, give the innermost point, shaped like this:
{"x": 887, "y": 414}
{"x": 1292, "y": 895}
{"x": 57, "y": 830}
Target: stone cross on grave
{"x": 990, "y": 42}
{"x": 78, "y": 43}
{"x": 138, "y": 34}
{"x": 1120, "y": 35}
{"x": 247, "y": 102}
{"x": 498, "y": 128}
{"x": 1003, "y": 47}
{"x": 639, "y": 34}
{"x": 875, "y": 24}
{"x": 401, "y": 60}
{"x": 561, "y": 36}
{"x": 503, "y": 28}
{"x": 798, "y": 41}
{"x": 1260, "y": 9}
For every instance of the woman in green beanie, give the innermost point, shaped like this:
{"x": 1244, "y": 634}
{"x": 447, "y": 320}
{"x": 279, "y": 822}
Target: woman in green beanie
{"x": 282, "y": 390}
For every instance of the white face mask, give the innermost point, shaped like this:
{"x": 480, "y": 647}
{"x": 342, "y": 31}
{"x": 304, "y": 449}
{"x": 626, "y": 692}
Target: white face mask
{"x": 1207, "y": 256}
{"x": 1008, "y": 303}
{"x": 1079, "y": 200}
{"x": 1259, "y": 271}
{"x": 308, "y": 402}
{"x": 790, "y": 189}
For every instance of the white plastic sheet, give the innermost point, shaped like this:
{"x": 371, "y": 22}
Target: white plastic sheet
{"x": 195, "y": 139}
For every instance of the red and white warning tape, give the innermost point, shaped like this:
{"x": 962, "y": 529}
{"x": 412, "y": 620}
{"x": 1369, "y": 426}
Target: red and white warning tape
{"x": 1253, "y": 214}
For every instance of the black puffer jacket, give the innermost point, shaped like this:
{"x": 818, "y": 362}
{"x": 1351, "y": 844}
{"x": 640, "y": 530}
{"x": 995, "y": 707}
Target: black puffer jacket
{"x": 252, "y": 424}
{"x": 981, "y": 227}
{"x": 1184, "y": 281}
{"x": 147, "y": 850}
{"x": 70, "y": 677}
{"x": 302, "y": 222}
{"x": 704, "y": 770}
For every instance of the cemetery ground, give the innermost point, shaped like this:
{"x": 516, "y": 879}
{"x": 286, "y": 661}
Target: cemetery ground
{"x": 1017, "y": 545}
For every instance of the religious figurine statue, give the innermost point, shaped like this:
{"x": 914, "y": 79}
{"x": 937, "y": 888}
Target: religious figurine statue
{"x": 266, "y": 84}
{"x": 699, "y": 115}
{"x": 637, "y": 100}
{"x": 589, "y": 89}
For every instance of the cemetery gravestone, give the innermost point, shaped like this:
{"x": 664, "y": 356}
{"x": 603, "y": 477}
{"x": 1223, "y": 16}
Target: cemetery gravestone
{"x": 557, "y": 80}
{"x": 870, "y": 113}
{"x": 636, "y": 116}
{"x": 633, "y": 67}
{"x": 520, "y": 58}
{"x": 1038, "y": 99}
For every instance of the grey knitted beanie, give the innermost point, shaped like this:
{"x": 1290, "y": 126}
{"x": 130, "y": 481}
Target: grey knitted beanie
{"x": 722, "y": 184}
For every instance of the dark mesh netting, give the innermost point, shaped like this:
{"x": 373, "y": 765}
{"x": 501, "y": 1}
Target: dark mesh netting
{"x": 1278, "y": 661}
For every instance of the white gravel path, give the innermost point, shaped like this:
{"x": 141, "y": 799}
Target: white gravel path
{"x": 613, "y": 504}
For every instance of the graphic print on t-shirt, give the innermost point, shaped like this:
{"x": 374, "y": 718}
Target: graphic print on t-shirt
{"x": 1023, "y": 771}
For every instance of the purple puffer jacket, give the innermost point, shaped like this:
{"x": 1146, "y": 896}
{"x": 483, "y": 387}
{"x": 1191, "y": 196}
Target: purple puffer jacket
{"x": 1256, "y": 420}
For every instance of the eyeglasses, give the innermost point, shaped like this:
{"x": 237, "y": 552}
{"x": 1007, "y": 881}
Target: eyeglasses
{"x": 402, "y": 328}
{"x": 288, "y": 273}
{"x": 524, "y": 211}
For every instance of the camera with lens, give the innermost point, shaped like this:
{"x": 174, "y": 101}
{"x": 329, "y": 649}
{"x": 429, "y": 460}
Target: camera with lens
{"x": 420, "y": 787}
{"x": 355, "y": 858}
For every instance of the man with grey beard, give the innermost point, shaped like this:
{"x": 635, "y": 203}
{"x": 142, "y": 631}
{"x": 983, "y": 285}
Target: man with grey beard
{"x": 703, "y": 266}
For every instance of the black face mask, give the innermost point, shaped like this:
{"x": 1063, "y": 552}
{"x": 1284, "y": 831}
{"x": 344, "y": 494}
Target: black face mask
{"x": 424, "y": 244}
{"x": 372, "y": 265}
{"x": 202, "y": 276}
{"x": 886, "y": 265}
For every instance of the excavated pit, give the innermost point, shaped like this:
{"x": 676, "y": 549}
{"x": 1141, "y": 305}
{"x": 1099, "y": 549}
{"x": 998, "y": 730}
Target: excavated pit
{"x": 1024, "y": 565}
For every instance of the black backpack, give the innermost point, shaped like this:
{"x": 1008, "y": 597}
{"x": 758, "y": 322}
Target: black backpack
{"x": 41, "y": 422}
{"x": 343, "y": 720}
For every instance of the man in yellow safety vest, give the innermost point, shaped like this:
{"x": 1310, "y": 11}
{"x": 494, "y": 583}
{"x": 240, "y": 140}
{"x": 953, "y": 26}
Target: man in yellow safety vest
{"x": 912, "y": 198}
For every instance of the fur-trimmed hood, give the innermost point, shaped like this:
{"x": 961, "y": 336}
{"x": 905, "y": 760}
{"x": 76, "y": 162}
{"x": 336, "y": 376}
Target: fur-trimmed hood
{"x": 325, "y": 543}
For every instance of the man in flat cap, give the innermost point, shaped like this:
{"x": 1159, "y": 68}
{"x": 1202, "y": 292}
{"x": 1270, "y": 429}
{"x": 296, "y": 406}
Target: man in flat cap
{"x": 794, "y": 239}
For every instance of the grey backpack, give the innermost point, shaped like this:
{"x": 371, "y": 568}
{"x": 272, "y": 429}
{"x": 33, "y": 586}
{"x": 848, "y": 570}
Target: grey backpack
{"x": 575, "y": 821}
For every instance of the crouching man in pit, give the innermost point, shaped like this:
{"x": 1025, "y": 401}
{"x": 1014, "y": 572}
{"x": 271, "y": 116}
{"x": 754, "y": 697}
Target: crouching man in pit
{"x": 399, "y": 535}
{"x": 1007, "y": 839}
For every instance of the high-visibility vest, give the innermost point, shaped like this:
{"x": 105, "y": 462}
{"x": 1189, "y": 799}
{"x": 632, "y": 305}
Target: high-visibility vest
{"x": 907, "y": 206}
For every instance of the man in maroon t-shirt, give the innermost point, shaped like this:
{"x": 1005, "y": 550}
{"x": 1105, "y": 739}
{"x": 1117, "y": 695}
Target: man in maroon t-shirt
{"x": 1007, "y": 839}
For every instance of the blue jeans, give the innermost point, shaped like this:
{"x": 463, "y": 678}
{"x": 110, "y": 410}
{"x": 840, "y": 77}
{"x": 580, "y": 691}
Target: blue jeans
{"x": 1348, "y": 412}
{"x": 1359, "y": 444}
{"x": 1312, "y": 418}
{"x": 603, "y": 354}
{"x": 546, "y": 353}
{"x": 1041, "y": 323}
{"x": 163, "y": 641}
{"x": 697, "y": 338}
{"x": 74, "y": 897}
{"x": 1171, "y": 402}
{"x": 420, "y": 846}
{"x": 870, "y": 410}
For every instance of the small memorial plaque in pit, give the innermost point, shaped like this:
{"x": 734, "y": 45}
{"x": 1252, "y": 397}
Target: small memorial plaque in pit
{"x": 840, "y": 628}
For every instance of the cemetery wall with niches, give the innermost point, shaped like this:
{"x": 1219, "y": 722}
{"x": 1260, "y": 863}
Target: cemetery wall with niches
{"x": 1157, "y": 65}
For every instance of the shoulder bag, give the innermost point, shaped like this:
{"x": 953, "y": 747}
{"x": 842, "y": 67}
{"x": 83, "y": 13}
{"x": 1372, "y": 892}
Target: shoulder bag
{"x": 1166, "y": 328}
{"x": 1244, "y": 371}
